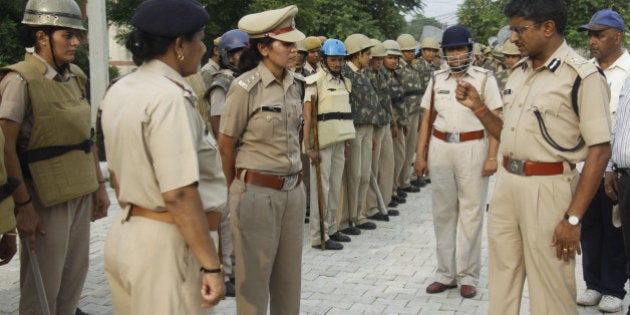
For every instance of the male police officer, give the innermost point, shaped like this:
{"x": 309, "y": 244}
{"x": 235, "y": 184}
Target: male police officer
{"x": 534, "y": 216}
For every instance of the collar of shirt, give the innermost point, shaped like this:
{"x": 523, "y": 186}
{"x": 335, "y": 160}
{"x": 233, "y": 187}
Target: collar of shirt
{"x": 560, "y": 53}
{"x": 267, "y": 77}
{"x": 622, "y": 62}
{"x": 165, "y": 70}
{"x": 308, "y": 67}
{"x": 51, "y": 73}
{"x": 352, "y": 66}
{"x": 469, "y": 72}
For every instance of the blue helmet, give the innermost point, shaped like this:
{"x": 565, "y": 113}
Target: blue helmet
{"x": 457, "y": 36}
{"x": 333, "y": 47}
{"x": 230, "y": 40}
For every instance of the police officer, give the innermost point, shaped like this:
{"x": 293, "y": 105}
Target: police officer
{"x": 364, "y": 104}
{"x": 383, "y": 152}
{"x": 511, "y": 56}
{"x": 391, "y": 65}
{"x": 212, "y": 66}
{"x": 161, "y": 239}
{"x": 264, "y": 110}
{"x": 8, "y": 246}
{"x": 460, "y": 159}
{"x": 335, "y": 127}
{"x": 313, "y": 45}
{"x": 412, "y": 85}
{"x": 45, "y": 117}
{"x": 301, "y": 57}
{"x": 546, "y": 128}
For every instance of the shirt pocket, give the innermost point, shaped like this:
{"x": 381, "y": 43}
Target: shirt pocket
{"x": 557, "y": 119}
{"x": 264, "y": 123}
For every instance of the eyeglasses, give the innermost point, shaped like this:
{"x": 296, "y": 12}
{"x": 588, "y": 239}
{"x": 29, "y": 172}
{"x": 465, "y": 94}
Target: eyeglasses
{"x": 519, "y": 30}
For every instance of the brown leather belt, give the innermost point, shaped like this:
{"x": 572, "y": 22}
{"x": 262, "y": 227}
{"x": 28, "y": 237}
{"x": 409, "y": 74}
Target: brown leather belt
{"x": 270, "y": 181}
{"x": 456, "y": 137}
{"x": 213, "y": 217}
{"x": 529, "y": 168}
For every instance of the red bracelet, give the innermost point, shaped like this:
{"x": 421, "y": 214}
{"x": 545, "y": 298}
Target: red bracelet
{"x": 480, "y": 110}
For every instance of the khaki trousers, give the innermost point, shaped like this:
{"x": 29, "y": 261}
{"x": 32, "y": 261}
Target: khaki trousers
{"x": 382, "y": 168}
{"x": 150, "y": 269}
{"x": 267, "y": 232}
{"x": 399, "y": 158}
{"x": 332, "y": 162}
{"x": 459, "y": 199}
{"x": 523, "y": 215}
{"x": 357, "y": 176}
{"x": 63, "y": 256}
{"x": 411, "y": 139}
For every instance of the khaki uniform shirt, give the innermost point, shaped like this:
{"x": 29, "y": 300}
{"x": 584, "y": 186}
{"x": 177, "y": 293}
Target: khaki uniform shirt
{"x": 548, "y": 89}
{"x": 266, "y": 114}
{"x": 453, "y": 116}
{"x": 156, "y": 140}
{"x": 308, "y": 69}
{"x": 208, "y": 71}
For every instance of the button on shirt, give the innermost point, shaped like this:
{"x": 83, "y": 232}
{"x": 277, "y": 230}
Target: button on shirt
{"x": 548, "y": 89}
{"x": 621, "y": 131}
{"x": 156, "y": 142}
{"x": 269, "y": 139}
{"x": 451, "y": 115}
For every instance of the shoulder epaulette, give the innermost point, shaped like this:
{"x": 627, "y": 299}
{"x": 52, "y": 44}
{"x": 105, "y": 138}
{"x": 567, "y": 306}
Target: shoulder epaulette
{"x": 480, "y": 69}
{"x": 582, "y": 66}
{"x": 248, "y": 82}
{"x": 298, "y": 76}
{"x": 314, "y": 77}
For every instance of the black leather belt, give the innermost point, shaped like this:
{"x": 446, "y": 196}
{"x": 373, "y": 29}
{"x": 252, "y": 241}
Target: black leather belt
{"x": 335, "y": 115}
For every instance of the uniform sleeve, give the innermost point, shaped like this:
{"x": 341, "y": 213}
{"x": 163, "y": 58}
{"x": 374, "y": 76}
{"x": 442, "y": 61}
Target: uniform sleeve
{"x": 171, "y": 145}
{"x": 426, "y": 98}
{"x": 311, "y": 89}
{"x": 593, "y": 102}
{"x": 492, "y": 95}
{"x": 217, "y": 101}
{"x": 15, "y": 102}
{"x": 235, "y": 112}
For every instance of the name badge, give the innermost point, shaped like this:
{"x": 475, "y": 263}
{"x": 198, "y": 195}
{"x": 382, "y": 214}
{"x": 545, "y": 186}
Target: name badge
{"x": 444, "y": 92}
{"x": 507, "y": 91}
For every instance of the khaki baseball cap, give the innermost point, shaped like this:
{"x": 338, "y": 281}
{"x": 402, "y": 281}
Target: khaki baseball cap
{"x": 277, "y": 24}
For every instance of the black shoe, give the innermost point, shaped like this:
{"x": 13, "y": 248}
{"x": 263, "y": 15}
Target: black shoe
{"x": 411, "y": 189}
{"x": 80, "y": 312}
{"x": 393, "y": 203}
{"x": 400, "y": 200}
{"x": 230, "y": 288}
{"x": 330, "y": 244}
{"x": 400, "y": 193}
{"x": 340, "y": 237}
{"x": 427, "y": 180}
{"x": 379, "y": 217}
{"x": 393, "y": 213}
{"x": 367, "y": 226}
{"x": 421, "y": 183}
{"x": 351, "y": 231}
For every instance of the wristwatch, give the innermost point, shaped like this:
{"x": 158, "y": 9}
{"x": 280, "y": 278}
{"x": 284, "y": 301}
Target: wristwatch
{"x": 572, "y": 219}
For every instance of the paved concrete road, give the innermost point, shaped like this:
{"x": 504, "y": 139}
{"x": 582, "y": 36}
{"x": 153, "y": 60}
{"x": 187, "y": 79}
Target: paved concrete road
{"x": 380, "y": 272}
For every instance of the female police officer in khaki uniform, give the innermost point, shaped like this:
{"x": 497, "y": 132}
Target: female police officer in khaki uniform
{"x": 45, "y": 117}
{"x": 165, "y": 170}
{"x": 263, "y": 109}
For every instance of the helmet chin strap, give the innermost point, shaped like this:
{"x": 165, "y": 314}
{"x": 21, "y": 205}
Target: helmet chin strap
{"x": 458, "y": 58}
{"x": 324, "y": 63}
{"x": 60, "y": 68}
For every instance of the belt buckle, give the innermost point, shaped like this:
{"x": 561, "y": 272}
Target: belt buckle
{"x": 516, "y": 166}
{"x": 289, "y": 182}
{"x": 452, "y": 137}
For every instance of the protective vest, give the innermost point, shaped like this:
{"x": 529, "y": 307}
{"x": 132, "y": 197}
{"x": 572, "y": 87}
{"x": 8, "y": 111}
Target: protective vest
{"x": 7, "y": 219}
{"x": 334, "y": 115}
{"x": 410, "y": 80}
{"x": 58, "y": 158}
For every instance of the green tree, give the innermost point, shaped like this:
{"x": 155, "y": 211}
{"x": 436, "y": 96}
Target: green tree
{"x": 484, "y": 18}
{"x": 418, "y": 22}
{"x": 11, "y": 50}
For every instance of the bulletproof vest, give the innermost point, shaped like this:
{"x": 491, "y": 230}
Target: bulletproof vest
{"x": 334, "y": 115}
{"x": 397, "y": 95}
{"x": 6, "y": 188}
{"x": 379, "y": 80}
{"x": 363, "y": 97}
{"x": 58, "y": 158}
{"x": 410, "y": 80}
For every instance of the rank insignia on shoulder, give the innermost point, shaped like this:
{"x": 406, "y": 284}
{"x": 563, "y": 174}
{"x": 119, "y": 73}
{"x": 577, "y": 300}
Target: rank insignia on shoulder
{"x": 507, "y": 91}
{"x": 444, "y": 92}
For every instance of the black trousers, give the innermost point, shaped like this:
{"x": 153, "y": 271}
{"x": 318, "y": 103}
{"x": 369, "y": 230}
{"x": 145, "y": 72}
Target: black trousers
{"x": 604, "y": 263}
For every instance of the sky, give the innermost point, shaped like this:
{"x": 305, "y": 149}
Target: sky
{"x": 444, "y": 11}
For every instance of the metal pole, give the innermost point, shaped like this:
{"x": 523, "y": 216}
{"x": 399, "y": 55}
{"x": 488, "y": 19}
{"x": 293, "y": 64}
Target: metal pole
{"x": 318, "y": 171}
{"x": 37, "y": 276}
{"x": 379, "y": 196}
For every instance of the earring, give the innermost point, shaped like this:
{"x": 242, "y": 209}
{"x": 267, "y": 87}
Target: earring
{"x": 180, "y": 57}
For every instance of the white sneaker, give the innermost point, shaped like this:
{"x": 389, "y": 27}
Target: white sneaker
{"x": 610, "y": 304}
{"x": 589, "y": 298}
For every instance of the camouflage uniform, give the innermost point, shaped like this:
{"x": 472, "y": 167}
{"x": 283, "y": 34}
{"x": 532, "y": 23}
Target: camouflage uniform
{"x": 401, "y": 117}
{"x": 412, "y": 85}
{"x": 502, "y": 77}
{"x": 364, "y": 104}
